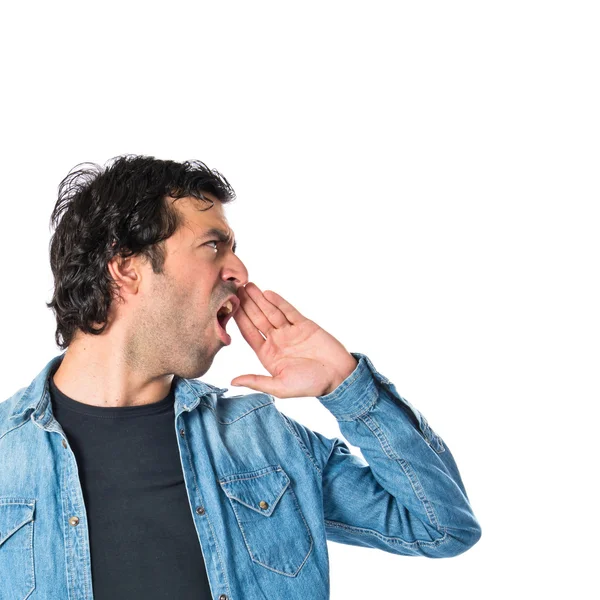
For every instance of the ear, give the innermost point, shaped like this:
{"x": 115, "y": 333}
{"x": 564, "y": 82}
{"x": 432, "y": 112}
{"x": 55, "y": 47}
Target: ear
{"x": 126, "y": 273}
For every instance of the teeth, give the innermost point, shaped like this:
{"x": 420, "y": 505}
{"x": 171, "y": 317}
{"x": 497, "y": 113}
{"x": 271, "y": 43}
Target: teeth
{"x": 226, "y": 308}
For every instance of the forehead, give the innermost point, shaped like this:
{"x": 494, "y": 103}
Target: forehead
{"x": 200, "y": 217}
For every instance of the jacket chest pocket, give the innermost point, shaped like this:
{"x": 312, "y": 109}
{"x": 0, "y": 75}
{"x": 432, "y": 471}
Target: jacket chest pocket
{"x": 16, "y": 548}
{"x": 269, "y": 517}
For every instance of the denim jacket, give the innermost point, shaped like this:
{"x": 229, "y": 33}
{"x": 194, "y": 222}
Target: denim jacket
{"x": 265, "y": 492}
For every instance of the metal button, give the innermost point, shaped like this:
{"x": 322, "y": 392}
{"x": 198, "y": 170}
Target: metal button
{"x": 182, "y": 431}
{"x": 64, "y": 443}
{"x": 74, "y": 521}
{"x": 263, "y": 504}
{"x": 200, "y": 510}
{"x": 223, "y": 597}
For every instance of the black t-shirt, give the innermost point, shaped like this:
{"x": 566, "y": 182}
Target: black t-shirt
{"x": 142, "y": 535}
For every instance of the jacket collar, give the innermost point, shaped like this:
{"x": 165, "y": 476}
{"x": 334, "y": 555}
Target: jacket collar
{"x": 188, "y": 393}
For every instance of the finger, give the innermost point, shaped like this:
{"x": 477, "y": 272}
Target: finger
{"x": 248, "y": 330}
{"x": 292, "y": 314}
{"x": 263, "y": 313}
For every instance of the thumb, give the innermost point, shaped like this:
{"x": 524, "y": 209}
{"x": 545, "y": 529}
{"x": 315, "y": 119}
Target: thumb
{"x": 260, "y": 383}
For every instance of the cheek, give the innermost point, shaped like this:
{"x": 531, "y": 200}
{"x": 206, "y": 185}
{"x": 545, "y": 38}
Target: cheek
{"x": 198, "y": 291}
{"x": 201, "y": 301}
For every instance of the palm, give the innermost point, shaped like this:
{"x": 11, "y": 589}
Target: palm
{"x": 301, "y": 357}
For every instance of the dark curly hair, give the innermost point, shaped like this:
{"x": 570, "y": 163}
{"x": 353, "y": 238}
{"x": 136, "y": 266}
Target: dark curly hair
{"x": 119, "y": 209}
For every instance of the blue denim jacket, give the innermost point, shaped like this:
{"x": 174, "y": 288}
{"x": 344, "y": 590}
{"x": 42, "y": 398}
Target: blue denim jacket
{"x": 265, "y": 491}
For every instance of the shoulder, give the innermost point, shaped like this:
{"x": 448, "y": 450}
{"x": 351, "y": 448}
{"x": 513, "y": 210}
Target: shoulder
{"x": 232, "y": 408}
{"x": 228, "y": 409}
{"x": 7, "y": 408}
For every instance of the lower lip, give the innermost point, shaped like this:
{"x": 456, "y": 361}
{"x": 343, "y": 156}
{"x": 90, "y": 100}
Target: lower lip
{"x": 223, "y": 334}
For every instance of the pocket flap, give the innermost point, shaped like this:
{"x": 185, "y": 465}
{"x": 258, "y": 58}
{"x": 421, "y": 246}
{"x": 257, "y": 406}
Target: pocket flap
{"x": 14, "y": 513}
{"x": 259, "y": 490}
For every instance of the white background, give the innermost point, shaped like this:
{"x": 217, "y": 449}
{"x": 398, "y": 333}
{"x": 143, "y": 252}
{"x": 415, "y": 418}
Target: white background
{"x": 421, "y": 179}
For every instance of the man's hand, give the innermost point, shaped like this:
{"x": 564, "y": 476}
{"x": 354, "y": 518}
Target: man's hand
{"x": 303, "y": 359}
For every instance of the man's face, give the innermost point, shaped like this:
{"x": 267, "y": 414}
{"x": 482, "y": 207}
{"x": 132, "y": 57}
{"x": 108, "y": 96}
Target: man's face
{"x": 178, "y": 308}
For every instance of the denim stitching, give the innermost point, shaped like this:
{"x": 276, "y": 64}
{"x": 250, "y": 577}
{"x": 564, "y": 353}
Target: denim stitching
{"x": 89, "y": 593}
{"x": 273, "y": 502}
{"x": 215, "y": 389}
{"x": 385, "y": 538}
{"x": 408, "y": 470}
{"x": 358, "y": 415}
{"x": 241, "y": 416}
{"x": 267, "y": 470}
{"x": 69, "y": 550}
{"x": 263, "y": 564}
{"x": 16, "y": 503}
{"x": 85, "y": 543}
{"x": 66, "y": 470}
{"x": 64, "y": 498}
{"x": 32, "y": 563}
{"x": 220, "y": 557}
{"x": 191, "y": 467}
{"x": 346, "y": 383}
{"x": 259, "y": 473}
{"x": 302, "y": 445}
{"x": 15, "y": 427}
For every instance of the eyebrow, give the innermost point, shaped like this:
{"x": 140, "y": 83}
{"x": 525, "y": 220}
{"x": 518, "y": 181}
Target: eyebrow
{"x": 220, "y": 235}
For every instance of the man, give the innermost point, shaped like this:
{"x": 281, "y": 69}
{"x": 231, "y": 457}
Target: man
{"x": 125, "y": 476}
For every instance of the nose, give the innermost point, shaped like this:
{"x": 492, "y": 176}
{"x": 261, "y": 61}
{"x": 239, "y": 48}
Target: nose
{"x": 236, "y": 272}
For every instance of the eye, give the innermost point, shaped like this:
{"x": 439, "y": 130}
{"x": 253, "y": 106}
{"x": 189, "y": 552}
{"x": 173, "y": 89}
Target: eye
{"x": 219, "y": 242}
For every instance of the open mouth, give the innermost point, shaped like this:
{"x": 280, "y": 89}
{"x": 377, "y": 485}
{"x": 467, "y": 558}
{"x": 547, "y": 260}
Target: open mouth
{"x": 225, "y": 313}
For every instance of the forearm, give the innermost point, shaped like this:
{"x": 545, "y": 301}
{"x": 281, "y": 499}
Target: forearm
{"x": 408, "y": 460}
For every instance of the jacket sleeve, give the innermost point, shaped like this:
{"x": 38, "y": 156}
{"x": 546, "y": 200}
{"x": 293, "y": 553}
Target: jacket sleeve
{"x": 409, "y": 499}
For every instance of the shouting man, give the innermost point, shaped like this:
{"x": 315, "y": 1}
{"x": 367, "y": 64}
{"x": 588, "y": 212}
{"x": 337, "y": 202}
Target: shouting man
{"x": 125, "y": 476}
